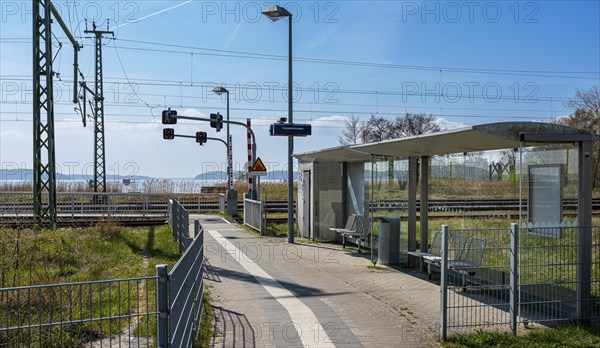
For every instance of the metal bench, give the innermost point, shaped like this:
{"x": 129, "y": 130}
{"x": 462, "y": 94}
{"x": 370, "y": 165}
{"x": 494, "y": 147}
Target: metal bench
{"x": 456, "y": 247}
{"x": 434, "y": 249}
{"x": 350, "y": 225}
{"x": 469, "y": 261}
{"x": 363, "y": 228}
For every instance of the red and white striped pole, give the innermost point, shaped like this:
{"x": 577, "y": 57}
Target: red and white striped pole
{"x": 250, "y": 179}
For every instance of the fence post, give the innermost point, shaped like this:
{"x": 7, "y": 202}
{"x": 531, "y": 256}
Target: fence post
{"x": 107, "y": 196}
{"x": 263, "y": 216}
{"x": 514, "y": 273}
{"x": 196, "y": 229}
{"x": 162, "y": 306}
{"x": 444, "y": 285}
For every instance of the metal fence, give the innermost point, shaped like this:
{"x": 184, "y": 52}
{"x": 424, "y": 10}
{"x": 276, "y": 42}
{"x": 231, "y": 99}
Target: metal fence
{"x": 136, "y": 312}
{"x": 254, "y": 215}
{"x": 108, "y": 204}
{"x": 506, "y": 277}
{"x": 179, "y": 296}
{"x": 179, "y": 220}
{"x": 105, "y": 313}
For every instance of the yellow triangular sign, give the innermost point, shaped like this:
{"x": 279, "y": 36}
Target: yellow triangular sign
{"x": 259, "y": 166}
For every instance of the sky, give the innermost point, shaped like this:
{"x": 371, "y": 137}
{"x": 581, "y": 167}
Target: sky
{"x": 464, "y": 62}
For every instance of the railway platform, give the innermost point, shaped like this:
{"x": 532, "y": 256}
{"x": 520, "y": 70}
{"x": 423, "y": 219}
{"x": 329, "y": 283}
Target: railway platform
{"x": 268, "y": 293}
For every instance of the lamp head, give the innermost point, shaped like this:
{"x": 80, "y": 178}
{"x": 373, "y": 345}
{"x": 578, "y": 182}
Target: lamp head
{"x": 276, "y": 12}
{"x": 220, "y": 90}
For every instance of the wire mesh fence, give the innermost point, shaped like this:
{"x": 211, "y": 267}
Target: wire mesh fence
{"x": 477, "y": 267}
{"x": 101, "y": 313}
{"x": 133, "y": 312}
{"x": 76, "y": 203}
{"x": 511, "y": 276}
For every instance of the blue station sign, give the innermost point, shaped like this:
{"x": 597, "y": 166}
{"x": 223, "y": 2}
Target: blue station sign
{"x": 287, "y": 129}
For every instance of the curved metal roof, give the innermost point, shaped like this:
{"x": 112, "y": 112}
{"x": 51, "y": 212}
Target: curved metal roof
{"x": 485, "y": 137}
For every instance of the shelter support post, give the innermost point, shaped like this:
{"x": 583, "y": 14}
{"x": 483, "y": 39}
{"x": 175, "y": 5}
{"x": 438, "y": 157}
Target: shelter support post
{"x": 424, "y": 203}
{"x": 584, "y": 237}
{"x": 412, "y": 203}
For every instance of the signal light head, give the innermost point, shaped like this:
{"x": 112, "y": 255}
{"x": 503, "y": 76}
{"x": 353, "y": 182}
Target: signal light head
{"x": 168, "y": 117}
{"x": 168, "y": 133}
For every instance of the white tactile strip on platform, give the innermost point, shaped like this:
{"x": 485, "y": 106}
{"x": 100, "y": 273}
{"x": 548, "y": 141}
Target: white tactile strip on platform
{"x": 311, "y": 332}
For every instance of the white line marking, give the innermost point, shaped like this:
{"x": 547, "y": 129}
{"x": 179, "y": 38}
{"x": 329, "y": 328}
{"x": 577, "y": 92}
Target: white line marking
{"x": 225, "y": 220}
{"x": 311, "y": 332}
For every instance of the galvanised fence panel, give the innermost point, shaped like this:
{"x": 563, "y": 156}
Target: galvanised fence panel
{"x": 179, "y": 220}
{"x": 108, "y": 204}
{"x": 548, "y": 275}
{"x": 527, "y": 274}
{"x": 478, "y": 275}
{"x": 185, "y": 295}
{"x": 180, "y": 293}
{"x": 109, "y": 313}
{"x": 164, "y": 310}
{"x": 254, "y": 215}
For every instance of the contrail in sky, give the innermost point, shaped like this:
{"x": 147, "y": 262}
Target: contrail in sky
{"x": 152, "y": 15}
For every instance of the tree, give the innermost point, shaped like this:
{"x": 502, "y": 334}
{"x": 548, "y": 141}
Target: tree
{"x": 415, "y": 124}
{"x": 585, "y": 116}
{"x": 377, "y": 128}
{"x": 351, "y": 135}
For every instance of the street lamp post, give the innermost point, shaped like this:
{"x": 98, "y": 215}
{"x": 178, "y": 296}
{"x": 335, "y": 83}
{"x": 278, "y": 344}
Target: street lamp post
{"x": 275, "y": 13}
{"x": 231, "y": 194}
{"x": 220, "y": 91}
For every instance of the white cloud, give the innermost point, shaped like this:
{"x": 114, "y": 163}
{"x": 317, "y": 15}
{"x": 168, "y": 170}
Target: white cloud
{"x": 330, "y": 121}
{"x": 449, "y": 125}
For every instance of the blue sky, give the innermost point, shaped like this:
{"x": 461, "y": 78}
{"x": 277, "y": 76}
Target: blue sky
{"x": 465, "y": 62}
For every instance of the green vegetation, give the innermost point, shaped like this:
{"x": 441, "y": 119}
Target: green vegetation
{"x": 73, "y": 255}
{"x": 206, "y": 331}
{"x": 571, "y": 336}
{"x": 81, "y": 255}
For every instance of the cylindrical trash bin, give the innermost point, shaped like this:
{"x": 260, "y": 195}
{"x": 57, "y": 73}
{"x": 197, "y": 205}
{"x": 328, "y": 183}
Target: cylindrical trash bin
{"x": 389, "y": 241}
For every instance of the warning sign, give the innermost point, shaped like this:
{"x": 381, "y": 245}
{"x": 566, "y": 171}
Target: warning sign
{"x": 258, "y": 168}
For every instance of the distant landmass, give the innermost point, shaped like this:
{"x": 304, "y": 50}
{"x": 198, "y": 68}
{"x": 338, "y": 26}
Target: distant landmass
{"x": 277, "y": 175}
{"x": 27, "y": 175}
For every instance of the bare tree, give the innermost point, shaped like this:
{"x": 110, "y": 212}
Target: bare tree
{"x": 586, "y": 101}
{"x": 377, "y": 128}
{"x": 586, "y": 116}
{"x": 351, "y": 135}
{"x": 415, "y": 124}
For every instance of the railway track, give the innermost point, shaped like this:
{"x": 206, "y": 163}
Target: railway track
{"x": 83, "y": 215}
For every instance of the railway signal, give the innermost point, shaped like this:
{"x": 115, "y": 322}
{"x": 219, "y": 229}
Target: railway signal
{"x": 216, "y": 121}
{"x": 169, "y": 117}
{"x": 168, "y": 134}
{"x": 201, "y": 138}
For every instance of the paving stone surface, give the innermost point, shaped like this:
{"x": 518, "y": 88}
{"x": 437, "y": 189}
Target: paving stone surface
{"x": 355, "y": 305}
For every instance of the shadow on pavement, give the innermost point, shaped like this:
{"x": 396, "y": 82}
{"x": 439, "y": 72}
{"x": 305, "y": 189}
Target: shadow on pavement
{"x": 235, "y": 329}
{"x": 297, "y": 290}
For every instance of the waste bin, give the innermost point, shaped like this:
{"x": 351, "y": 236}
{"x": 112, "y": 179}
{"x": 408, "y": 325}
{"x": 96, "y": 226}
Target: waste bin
{"x": 389, "y": 241}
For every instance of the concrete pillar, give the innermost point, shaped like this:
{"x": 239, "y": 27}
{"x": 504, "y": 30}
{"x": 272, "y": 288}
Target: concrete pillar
{"x": 424, "y": 208}
{"x": 412, "y": 203}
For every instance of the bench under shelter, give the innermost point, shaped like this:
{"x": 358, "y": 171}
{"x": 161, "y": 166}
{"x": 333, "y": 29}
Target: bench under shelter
{"x": 332, "y": 180}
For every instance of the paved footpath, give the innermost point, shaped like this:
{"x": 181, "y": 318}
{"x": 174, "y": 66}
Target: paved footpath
{"x": 268, "y": 293}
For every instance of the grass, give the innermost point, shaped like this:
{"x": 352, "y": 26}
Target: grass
{"x": 206, "y": 331}
{"x": 81, "y": 255}
{"x": 571, "y": 336}
{"x": 71, "y": 255}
